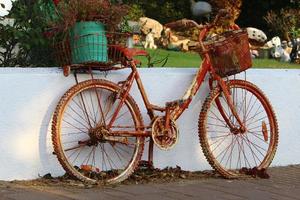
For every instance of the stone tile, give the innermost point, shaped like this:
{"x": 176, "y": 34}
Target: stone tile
{"x": 284, "y": 184}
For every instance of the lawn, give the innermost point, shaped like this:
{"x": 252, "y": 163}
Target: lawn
{"x": 190, "y": 60}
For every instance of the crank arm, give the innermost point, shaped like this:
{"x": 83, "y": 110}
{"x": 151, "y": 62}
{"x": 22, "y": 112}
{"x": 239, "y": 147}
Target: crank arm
{"x": 80, "y": 144}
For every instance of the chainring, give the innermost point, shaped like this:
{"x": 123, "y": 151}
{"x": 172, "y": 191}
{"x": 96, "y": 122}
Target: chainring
{"x": 163, "y": 138}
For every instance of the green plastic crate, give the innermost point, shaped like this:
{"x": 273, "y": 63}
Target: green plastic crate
{"x": 88, "y": 43}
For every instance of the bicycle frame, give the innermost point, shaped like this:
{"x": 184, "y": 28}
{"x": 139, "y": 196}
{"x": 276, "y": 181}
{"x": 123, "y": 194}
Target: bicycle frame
{"x": 173, "y": 109}
{"x": 98, "y": 132}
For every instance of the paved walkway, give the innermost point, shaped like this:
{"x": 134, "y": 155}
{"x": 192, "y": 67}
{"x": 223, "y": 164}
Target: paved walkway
{"x": 284, "y": 184}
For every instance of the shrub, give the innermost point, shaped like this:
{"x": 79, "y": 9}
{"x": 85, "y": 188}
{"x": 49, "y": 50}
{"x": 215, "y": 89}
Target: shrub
{"x": 285, "y": 22}
{"x": 72, "y": 11}
{"x": 135, "y": 12}
{"x": 22, "y": 42}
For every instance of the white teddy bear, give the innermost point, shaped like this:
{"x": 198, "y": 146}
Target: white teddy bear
{"x": 256, "y": 36}
{"x": 277, "y": 50}
{"x": 5, "y": 7}
{"x": 149, "y": 43}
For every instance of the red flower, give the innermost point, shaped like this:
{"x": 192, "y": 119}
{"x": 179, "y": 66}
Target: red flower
{"x": 56, "y": 2}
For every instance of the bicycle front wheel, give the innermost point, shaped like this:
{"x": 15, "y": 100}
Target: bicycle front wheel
{"x": 233, "y": 153}
{"x": 85, "y": 147}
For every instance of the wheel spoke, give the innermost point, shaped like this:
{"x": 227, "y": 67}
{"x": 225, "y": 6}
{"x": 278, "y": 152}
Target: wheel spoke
{"x": 76, "y": 120}
{"x": 254, "y": 156}
{"x": 219, "y": 141}
{"x": 229, "y": 150}
{"x": 256, "y": 135}
{"x": 74, "y": 126}
{"x": 81, "y": 116}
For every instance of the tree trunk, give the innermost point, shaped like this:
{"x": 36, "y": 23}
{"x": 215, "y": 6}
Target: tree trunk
{"x": 286, "y": 36}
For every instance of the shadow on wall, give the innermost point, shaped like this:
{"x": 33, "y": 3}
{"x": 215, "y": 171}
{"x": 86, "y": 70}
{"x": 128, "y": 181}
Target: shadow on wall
{"x": 48, "y": 160}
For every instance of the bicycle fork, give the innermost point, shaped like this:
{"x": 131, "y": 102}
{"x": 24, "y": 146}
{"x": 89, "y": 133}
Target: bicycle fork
{"x": 226, "y": 90}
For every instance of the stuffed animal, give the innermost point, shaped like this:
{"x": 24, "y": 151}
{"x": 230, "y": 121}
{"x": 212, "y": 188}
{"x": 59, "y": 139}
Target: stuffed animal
{"x": 257, "y": 38}
{"x": 172, "y": 42}
{"x": 146, "y": 24}
{"x": 5, "y": 7}
{"x": 149, "y": 43}
{"x": 277, "y": 50}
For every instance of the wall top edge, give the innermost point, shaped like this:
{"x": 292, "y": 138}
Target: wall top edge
{"x": 56, "y": 70}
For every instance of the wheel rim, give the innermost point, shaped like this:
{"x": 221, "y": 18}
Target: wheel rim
{"x": 234, "y": 153}
{"x": 97, "y": 159}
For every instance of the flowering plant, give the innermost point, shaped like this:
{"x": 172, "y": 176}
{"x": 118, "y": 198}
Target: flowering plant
{"x": 72, "y": 11}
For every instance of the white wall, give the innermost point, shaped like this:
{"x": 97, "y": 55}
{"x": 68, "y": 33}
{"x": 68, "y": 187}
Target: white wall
{"x": 29, "y": 96}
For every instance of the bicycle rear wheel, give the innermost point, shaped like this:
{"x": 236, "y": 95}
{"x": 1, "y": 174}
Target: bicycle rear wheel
{"x": 233, "y": 153}
{"x": 84, "y": 146}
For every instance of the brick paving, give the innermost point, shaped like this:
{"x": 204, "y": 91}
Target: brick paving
{"x": 284, "y": 184}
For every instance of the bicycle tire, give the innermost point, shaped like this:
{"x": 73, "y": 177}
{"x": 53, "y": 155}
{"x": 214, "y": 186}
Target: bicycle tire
{"x": 86, "y": 93}
{"x": 213, "y": 136}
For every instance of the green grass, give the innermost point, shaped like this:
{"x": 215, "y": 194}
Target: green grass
{"x": 274, "y": 64}
{"x": 175, "y": 58}
{"x": 192, "y": 60}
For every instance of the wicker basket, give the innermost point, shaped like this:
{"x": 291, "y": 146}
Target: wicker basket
{"x": 229, "y": 52}
{"x": 90, "y": 47}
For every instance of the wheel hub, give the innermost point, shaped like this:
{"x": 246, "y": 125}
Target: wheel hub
{"x": 98, "y": 134}
{"x": 238, "y": 130}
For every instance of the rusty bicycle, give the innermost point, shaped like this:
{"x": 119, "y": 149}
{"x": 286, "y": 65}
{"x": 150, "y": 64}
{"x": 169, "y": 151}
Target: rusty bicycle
{"x": 98, "y": 133}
